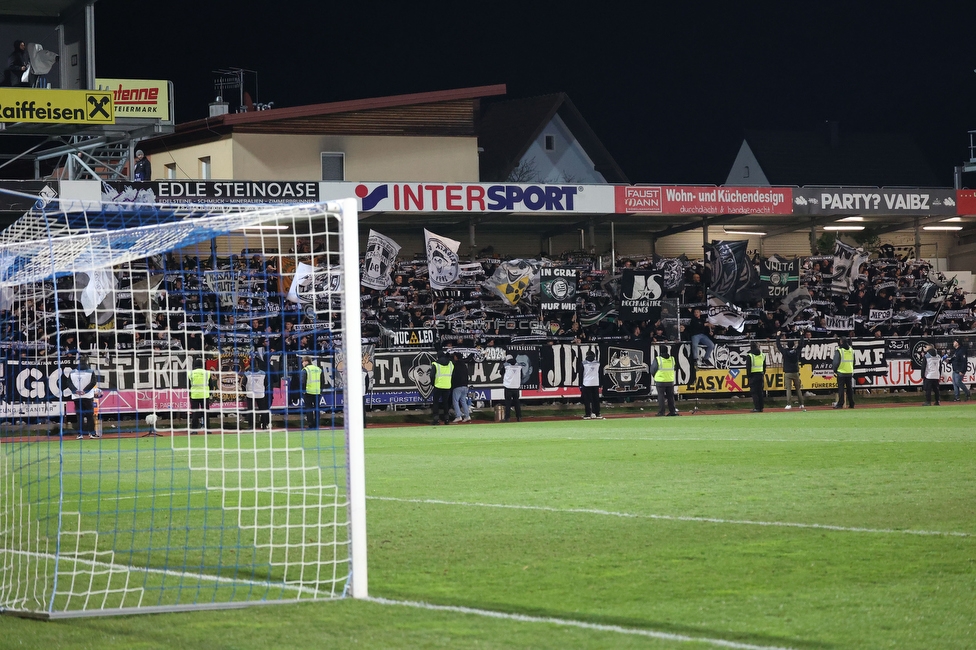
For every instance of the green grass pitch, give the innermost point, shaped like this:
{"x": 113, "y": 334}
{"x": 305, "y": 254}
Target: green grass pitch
{"x": 825, "y": 529}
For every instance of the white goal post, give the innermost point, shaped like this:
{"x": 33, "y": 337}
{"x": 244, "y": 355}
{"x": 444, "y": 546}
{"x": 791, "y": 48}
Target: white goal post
{"x": 181, "y": 418}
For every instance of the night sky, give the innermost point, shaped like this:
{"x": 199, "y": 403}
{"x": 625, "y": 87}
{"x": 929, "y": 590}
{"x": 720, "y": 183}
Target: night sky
{"x": 669, "y": 88}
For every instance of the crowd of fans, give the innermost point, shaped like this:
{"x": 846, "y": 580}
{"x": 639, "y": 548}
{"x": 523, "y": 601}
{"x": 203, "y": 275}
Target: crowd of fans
{"x": 241, "y": 302}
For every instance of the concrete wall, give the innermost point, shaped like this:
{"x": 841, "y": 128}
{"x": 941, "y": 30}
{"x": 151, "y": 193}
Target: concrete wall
{"x": 269, "y": 157}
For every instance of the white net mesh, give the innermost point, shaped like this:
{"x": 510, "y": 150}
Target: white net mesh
{"x": 171, "y": 430}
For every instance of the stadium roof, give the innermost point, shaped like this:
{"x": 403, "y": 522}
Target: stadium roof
{"x": 439, "y": 113}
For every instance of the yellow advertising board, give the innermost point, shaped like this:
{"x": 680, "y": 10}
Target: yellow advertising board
{"x": 735, "y": 380}
{"x": 42, "y": 106}
{"x": 731, "y": 381}
{"x": 142, "y": 98}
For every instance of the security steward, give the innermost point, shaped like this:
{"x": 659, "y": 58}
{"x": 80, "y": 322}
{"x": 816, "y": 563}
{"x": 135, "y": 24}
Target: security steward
{"x": 843, "y": 366}
{"x": 757, "y": 377}
{"x": 311, "y": 389}
{"x": 663, "y": 371}
{"x": 201, "y": 381}
{"x": 443, "y": 369}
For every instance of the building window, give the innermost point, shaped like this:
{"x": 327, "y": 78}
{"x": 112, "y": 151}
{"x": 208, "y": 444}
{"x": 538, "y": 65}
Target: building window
{"x": 205, "y": 168}
{"x": 550, "y": 143}
{"x": 333, "y": 166}
{"x": 746, "y": 174}
{"x": 170, "y": 170}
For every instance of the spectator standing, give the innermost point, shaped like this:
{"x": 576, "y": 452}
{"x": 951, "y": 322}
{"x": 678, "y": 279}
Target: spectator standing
{"x": 443, "y": 369}
{"x": 663, "y": 371}
{"x": 16, "y": 65}
{"x": 142, "y": 171}
{"x": 512, "y": 382}
{"x": 589, "y": 373}
{"x": 311, "y": 390}
{"x": 791, "y": 369}
{"x": 757, "y": 377}
{"x": 459, "y": 390}
{"x": 843, "y": 366}
{"x": 85, "y": 385}
{"x": 200, "y": 381}
{"x": 698, "y": 330}
{"x": 960, "y": 366}
{"x": 933, "y": 374}
{"x": 255, "y": 384}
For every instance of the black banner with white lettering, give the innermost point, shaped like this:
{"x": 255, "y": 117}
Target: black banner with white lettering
{"x": 640, "y": 295}
{"x": 557, "y": 289}
{"x": 779, "y": 276}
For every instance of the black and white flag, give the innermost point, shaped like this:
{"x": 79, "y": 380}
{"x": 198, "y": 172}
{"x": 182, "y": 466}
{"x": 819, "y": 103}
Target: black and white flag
{"x": 876, "y": 315}
{"x": 443, "y": 265}
{"x": 557, "y": 289}
{"x": 732, "y": 276}
{"x": 779, "y": 276}
{"x": 381, "y": 252}
{"x": 725, "y": 314}
{"x": 847, "y": 265}
{"x": 640, "y": 295}
{"x": 839, "y": 323}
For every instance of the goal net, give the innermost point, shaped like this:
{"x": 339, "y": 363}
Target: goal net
{"x": 181, "y": 419}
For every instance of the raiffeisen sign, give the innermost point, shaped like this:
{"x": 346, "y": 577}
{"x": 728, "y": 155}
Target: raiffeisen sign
{"x": 474, "y": 197}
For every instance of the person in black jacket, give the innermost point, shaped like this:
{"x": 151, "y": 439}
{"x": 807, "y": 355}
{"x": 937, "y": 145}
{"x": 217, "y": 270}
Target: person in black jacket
{"x": 142, "y": 171}
{"x": 16, "y": 65}
{"x": 791, "y": 369}
{"x": 459, "y": 390}
{"x": 960, "y": 365}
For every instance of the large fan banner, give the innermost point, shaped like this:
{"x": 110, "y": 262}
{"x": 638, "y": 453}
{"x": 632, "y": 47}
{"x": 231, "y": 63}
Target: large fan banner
{"x": 557, "y": 289}
{"x": 732, "y": 276}
{"x": 626, "y": 369}
{"x": 640, "y": 295}
{"x": 779, "y": 276}
{"x": 443, "y": 265}
{"x": 381, "y": 252}
{"x": 847, "y": 265}
{"x": 512, "y": 280}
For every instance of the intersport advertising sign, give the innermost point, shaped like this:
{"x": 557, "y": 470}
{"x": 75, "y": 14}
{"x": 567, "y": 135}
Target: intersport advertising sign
{"x": 473, "y": 197}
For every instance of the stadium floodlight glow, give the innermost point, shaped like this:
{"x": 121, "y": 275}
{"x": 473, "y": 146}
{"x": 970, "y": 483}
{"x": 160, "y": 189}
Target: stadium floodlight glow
{"x": 745, "y": 230}
{"x": 950, "y": 219}
{"x": 941, "y": 227}
{"x": 852, "y": 228}
{"x": 193, "y": 478}
{"x": 853, "y": 219}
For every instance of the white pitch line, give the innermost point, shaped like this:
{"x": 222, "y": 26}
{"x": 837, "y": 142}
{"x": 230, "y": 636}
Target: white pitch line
{"x": 164, "y": 572}
{"x": 787, "y": 440}
{"x": 709, "y": 520}
{"x": 522, "y": 618}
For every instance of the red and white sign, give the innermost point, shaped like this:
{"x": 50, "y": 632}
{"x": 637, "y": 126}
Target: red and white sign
{"x": 682, "y": 199}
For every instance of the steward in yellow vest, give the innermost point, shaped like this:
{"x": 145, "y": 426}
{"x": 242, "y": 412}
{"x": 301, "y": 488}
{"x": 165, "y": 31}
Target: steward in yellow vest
{"x": 663, "y": 370}
{"x": 756, "y": 367}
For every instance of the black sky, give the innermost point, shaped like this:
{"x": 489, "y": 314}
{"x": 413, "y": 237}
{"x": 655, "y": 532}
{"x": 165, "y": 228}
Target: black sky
{"x": 668, "y": 87}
